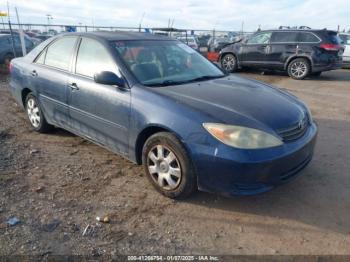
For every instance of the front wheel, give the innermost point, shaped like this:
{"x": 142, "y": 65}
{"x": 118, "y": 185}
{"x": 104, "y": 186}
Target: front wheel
{"x": 35, "y": 115}
{"x": 168, "y": 166}
{"x": 229, "y": 63}
{"x": 299, "y": 68}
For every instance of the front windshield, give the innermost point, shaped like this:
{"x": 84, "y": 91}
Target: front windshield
{"x": 160, "y": 63}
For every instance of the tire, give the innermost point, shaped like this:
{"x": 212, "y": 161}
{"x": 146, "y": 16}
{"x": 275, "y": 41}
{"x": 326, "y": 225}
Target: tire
{"x": 168, "y": 166}
{"x": 35, "y": 115}
{"x": 229, "y": 63}
{"x": 316, "y": 74}
{"x": 299, "y": 68}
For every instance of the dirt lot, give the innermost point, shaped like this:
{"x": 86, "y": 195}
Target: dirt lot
{"x": 57, "y": 184}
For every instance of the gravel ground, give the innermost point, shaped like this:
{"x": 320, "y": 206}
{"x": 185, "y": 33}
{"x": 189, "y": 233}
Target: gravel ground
{"x": 56, "y": 184}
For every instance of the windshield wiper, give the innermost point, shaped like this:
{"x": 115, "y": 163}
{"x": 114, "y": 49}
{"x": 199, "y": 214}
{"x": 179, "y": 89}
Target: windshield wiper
{"x": 166, "y": 83}
{"x": 203, "y": 78}
{"x": 172, "y": 82}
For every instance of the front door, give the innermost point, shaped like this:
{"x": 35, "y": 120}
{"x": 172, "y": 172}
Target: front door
{"x": 99, "y": 112}
{"x": 254, "y": 51}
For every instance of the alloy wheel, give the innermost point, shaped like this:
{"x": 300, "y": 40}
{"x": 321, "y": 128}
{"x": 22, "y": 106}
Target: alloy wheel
{"x": 299, "y": 69}
{"x": 164, "y": 167}
{"x": 33, "y": 112}
{"x": 229, "y": 63}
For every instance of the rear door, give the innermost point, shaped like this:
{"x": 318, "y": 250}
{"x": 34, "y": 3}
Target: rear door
{"x": 49, "y": 74}
{"x": 99, "y": 112}
{"x": 254, "y": 51}
{"x": 283, "y": 44}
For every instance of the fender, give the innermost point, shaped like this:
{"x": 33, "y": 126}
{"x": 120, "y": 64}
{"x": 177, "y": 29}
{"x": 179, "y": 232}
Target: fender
{"x": 303, "y": 55}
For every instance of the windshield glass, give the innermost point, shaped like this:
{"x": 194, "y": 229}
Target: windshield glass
{"x": 160, "y": 63}
{"x": 334, "y": 38}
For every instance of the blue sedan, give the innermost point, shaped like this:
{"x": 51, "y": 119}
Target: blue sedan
{"x": 159, "y": 103}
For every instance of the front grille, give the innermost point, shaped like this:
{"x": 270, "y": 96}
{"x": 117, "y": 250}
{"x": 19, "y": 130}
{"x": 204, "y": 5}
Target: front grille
{"x": 295, "y": 131}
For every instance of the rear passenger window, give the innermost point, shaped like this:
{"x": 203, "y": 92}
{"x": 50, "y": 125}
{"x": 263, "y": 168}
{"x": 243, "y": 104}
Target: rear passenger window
{"x": 308, "y": 38}
{"x": 93, "y": 58}
{"x": 59, "y": 54}
{"x": 284, "y": 37}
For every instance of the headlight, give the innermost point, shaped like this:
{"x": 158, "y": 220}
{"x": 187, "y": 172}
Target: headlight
{"x": 242, "y": 137}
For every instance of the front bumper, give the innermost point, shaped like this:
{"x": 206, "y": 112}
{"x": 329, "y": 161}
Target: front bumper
{"x": 231, "y": 171}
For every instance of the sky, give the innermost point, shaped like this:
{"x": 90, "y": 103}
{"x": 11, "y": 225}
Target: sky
{"x": 189, "y": 14}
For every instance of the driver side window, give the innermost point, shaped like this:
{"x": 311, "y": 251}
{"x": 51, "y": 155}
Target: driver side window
{"x": 94, "y": 58}
{"x": 261, "y": 38}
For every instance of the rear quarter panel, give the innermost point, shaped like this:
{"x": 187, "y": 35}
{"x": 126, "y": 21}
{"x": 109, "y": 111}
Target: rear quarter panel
{"x": 19, "y": 79}
{"x": 20, "y": 74}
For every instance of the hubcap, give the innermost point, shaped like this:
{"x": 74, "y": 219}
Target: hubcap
{"x": 299, "y": 69}
{"x": 33, "y": 112}
{"x": 164, "y": 167}
{"x": 228, "y": 62}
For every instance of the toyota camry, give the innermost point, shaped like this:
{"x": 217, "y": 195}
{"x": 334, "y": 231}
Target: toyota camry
{"x": 159, "y": 103}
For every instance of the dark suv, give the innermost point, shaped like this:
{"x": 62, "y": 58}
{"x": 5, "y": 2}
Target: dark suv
{"x": 299, "y": 52}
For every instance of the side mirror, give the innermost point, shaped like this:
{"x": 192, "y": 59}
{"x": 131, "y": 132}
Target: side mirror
{"x": 109, "y": 78}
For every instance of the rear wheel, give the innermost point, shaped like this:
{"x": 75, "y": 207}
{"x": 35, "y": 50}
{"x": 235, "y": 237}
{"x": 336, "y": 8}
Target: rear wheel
{"x": 168, "y": 166}
{"x": 229, "y": 63}
{"x": 35, "y": 115}
{"x": 299, "y": 68}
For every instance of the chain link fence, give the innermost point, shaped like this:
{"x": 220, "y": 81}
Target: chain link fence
{"x": 204, "y": 40}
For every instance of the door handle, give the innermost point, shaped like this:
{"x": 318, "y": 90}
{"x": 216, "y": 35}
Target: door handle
{"x": 34, "y": 73}
{"x": 74, "y": 86}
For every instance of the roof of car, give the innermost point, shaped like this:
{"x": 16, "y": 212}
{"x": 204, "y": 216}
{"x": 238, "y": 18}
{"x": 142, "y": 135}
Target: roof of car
{"x": 297, "y": 30}
{"x": 122, "y": 35}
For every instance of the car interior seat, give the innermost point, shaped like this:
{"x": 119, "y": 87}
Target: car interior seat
{"x": 146, "y": 67}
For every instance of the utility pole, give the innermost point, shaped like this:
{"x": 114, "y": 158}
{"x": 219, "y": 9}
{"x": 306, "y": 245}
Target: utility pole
{"x": 12, "y": 39}
{"x": 49, "y": 17}
{"x": 143, "y": 15}
{"x": 21, "y": 34}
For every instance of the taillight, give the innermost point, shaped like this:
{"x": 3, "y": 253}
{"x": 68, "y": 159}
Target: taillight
{"x": 10, "y": 67}
{"x": 330, "y": 47}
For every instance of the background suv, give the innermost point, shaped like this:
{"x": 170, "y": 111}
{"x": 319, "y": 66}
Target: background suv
{"x": 299, "y": 52}
{"x": 6, "y": 50}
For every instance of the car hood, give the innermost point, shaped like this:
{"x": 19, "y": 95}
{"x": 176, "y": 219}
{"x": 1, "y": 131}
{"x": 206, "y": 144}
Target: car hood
{"x": 239, "y": 101}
